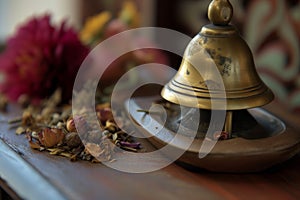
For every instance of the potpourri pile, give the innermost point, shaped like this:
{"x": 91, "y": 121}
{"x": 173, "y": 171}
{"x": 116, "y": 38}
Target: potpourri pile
{"x": 51, "y": 127}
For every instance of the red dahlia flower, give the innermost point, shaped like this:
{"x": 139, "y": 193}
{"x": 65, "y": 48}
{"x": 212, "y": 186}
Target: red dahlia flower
{"x": 40, "y": 58}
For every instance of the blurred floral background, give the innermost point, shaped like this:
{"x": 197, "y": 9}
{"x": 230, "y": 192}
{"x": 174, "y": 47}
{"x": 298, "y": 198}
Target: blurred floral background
{"x": 42, "y": 53}
{"x": 57, "y": 30}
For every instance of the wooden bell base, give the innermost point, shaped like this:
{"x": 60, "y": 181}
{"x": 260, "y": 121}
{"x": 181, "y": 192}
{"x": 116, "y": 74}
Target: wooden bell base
{"x": 237, "y": 155}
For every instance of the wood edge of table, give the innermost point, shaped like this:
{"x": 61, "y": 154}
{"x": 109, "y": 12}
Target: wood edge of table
{"x": 18, "y": 177}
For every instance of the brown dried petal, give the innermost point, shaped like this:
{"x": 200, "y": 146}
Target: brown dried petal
{"x": 51, "y": 137}
{"x": 34, "y": 145}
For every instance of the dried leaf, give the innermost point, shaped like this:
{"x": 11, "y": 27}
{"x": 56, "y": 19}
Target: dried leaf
{"x": 34, "y": 145}
{"x": 115, "y": 137}
{"x": 51, "y": 137}
{"x": 20, "y": 130}
{"x": 73, "y": 158}
{"x": 56, "y": 151}
{"x": 67, "y": 155}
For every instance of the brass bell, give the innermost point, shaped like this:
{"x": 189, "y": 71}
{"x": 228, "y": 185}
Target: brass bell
{"x": 229, "y": 53}
{"x": 217, "y": 77}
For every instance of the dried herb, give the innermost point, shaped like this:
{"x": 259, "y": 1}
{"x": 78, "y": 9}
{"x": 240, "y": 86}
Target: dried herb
{"x": 51, "y": 127}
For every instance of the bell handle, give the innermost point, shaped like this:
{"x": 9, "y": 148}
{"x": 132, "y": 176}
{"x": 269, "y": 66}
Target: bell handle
{"x": 220, "y": 12}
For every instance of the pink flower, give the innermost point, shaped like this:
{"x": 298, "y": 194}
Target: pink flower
{"x": 40, "y": 58}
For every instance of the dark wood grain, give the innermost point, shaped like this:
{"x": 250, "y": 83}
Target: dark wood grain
{"x": 83, "y": 180}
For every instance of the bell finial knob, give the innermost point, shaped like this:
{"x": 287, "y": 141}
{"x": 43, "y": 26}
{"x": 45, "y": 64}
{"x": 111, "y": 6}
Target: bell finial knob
{"x": 220, "y": 12}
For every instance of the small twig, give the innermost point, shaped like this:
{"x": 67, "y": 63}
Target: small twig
{"x": 15, "y": 120}
{"x": 40, "y": 125}
{"x": 129, "y": 148}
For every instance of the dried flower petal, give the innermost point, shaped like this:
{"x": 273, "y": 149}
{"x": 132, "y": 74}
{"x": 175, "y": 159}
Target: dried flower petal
{"x": 51, "y": 137}
{"x": 34, "y": 145}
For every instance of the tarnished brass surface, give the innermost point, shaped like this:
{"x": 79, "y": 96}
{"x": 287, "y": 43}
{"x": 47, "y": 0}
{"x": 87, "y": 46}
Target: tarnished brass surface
{"x": 220, "y": 12}
{"x": 218, "y": 46}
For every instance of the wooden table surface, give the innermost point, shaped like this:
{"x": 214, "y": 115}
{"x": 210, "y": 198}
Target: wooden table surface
{"x": 32, "y": 174}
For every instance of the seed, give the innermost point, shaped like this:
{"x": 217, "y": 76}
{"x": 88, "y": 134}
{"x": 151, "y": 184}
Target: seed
{"x": 73, "y": 140}
{"x": 71, "y": 125}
